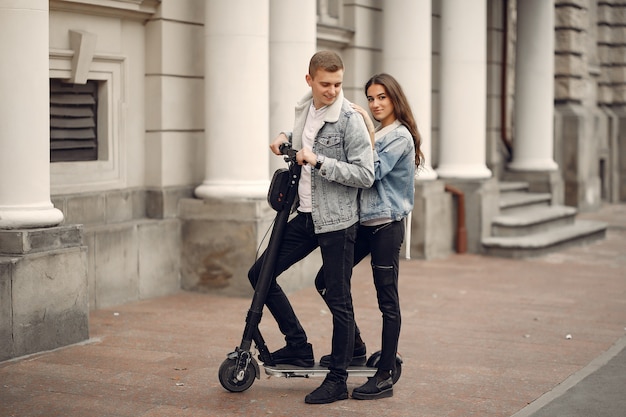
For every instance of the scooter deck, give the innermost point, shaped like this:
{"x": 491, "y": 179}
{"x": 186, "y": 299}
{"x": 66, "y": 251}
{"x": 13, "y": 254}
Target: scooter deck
{"x": 291, "y": 371}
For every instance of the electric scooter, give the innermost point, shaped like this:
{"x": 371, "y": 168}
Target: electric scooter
{"x": 239, "y": 370}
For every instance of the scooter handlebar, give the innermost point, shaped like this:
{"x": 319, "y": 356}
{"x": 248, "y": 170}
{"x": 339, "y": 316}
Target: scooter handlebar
{"x": 290, "y": 154}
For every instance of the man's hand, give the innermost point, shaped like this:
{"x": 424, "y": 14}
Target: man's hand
{"x": 275, "y": 145}
{"x": 306, "y": 156}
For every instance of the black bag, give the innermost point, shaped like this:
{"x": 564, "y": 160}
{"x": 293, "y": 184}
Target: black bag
{"x": 279, "y": 187}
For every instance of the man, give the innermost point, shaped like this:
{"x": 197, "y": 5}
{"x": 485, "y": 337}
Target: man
{"x": 335, "y": 152}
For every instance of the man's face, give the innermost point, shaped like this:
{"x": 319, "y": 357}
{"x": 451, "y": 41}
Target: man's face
{"x": 325, "y": 87}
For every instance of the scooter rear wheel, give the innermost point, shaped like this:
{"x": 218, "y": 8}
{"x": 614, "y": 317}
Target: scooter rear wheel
{"x": 228, "y": 376}
{"x": 372, "y": 362}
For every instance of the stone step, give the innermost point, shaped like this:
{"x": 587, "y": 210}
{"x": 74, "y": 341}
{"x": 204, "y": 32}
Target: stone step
{"x": 515, "y": 201}
{"x": 580, "y": 232}
{"x": 509, "y": 186}
{"x": 532, "y": 219}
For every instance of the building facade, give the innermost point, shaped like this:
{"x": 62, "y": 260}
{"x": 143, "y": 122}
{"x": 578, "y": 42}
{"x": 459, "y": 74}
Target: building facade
{"x": 134, "y": 135}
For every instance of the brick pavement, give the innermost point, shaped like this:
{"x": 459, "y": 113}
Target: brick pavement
{"x": 480, "y": 337}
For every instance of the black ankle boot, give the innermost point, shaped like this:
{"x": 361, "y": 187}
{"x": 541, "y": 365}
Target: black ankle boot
{"x": 329, "y": 392}
{"x": 301, "y": 356}
{"x": 378, "y": 386}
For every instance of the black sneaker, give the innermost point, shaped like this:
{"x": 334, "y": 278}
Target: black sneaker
{"x": 329, "y": 392}
{"x": 374, "y": 389}
{"x": 301, "y": 356}
{"x": 359, "y": 357}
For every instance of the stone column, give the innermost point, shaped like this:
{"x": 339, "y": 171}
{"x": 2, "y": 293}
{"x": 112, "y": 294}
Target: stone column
{"x": 410, "y": 63}
{"x": 43, "y": 267}
{"x": 534, "y": 87}
{"x": 223, "y": 232}
{"x": 25, "y": 117}
{"x": 236, "y": 99}
{"x": 463, "y": 116}
{"x": 463, "y": 101}
{"x": 293, "y": 31}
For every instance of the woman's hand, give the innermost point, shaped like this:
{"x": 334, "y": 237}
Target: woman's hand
{"x": 368, "y": 121}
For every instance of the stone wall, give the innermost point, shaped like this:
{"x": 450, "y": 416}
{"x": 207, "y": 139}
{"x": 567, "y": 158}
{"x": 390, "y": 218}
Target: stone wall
{"x": 611, "y": 50}
{"x": 133, "y": 241}
{"x": 578, "y": 117}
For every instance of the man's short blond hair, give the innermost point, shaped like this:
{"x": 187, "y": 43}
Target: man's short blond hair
{"x": 326, "y": 60}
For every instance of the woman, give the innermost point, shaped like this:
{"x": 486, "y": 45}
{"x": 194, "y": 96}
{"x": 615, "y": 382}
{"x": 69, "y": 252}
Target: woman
{"x": 384, "y": 206}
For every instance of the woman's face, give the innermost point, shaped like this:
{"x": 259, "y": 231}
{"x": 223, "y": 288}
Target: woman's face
{"x": 380, "y": 105}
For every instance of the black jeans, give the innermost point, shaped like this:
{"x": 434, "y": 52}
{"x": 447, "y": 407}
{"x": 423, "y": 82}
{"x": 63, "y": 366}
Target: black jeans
{"x": 383, "y": 243}
{"x": 337, "y": 249}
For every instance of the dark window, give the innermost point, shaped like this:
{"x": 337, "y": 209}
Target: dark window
{"x": 73, "y": 121}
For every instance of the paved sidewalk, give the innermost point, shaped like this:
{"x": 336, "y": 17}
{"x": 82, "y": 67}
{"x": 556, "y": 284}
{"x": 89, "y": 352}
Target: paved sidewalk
{"x": 598, "y": 390}
{"x": 481, "y": 337}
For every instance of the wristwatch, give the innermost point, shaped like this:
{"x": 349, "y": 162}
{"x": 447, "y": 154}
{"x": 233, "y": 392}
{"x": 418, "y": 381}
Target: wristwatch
{"x": 320, "y": 161}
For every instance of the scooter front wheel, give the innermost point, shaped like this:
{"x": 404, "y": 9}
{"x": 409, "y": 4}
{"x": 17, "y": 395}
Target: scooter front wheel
{"x": 234, "y": 379}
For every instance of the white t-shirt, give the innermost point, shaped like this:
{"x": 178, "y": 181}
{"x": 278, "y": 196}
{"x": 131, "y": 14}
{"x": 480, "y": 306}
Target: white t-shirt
{"x": 314, "y": 122}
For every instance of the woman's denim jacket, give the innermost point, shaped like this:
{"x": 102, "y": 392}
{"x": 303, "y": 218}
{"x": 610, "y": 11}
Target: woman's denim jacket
{"x": 349, "y": 164}
{"x": 392, "y": 195}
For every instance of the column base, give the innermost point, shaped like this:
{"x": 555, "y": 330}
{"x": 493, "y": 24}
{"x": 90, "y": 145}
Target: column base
{"x": 21, "y": 242}
{"x": 233, "y": 190}
{"x": 222, "y": 238}
{"x": 29, "y": 217}
{"x": 469, "y": 172}
{"x": 432, "y": 228}
{"x": 619, "y": 170}
{"x": 481, "y": 206}
{"x": 43, "y": 290}
{"x": 426, "y": 173}
{"x": 534, "y": 165}
{"x": 580, "y": 132}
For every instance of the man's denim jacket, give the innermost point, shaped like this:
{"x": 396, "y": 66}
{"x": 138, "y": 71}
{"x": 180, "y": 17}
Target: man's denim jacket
{"x": 392, "y": 195}
{"x": 349, "y": 163}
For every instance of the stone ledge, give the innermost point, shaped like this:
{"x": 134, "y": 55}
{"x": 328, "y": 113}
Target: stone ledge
{"x": 25, "y": 241}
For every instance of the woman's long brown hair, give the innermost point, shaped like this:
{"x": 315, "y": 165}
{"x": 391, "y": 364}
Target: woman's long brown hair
{"x": 401, "y": 109}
